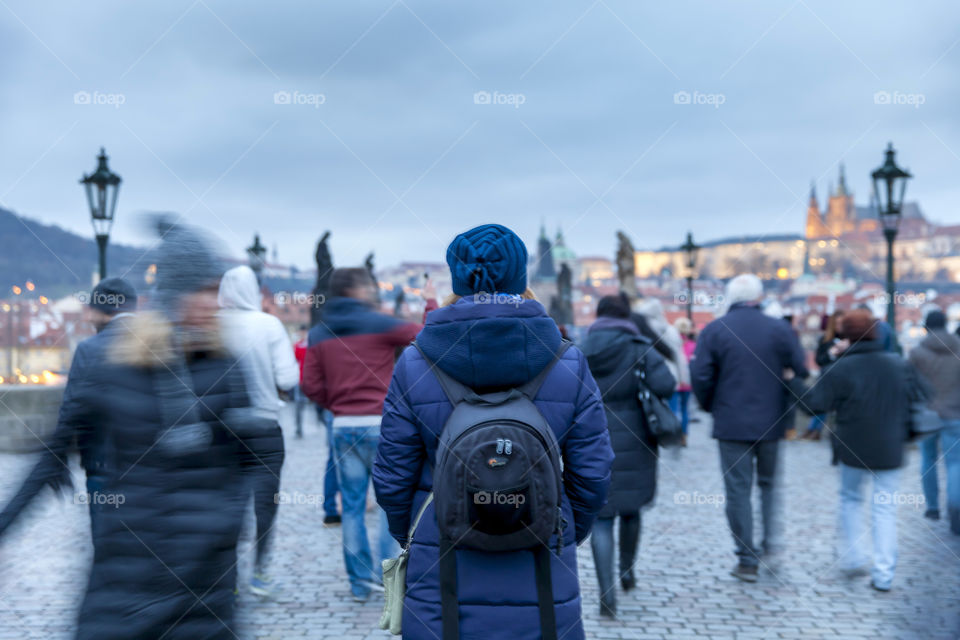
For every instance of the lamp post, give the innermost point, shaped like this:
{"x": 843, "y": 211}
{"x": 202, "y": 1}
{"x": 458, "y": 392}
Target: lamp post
{"x": 102, "y": 187}
{"x": 257, "y": 255}
{"x": 690, "y": 249}
{"x": 889, "y": 185}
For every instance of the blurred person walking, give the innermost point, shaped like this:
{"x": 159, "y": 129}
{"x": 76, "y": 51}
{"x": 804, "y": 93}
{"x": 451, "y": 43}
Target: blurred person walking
{"x": 300, "y": 400}
{"x": 937, "y": 359}
{"x": 669, "y": 341}
{"x": 736, "y": 376}
{"x": 262, "y": 348}
{"x": 615, "y": 351}
{"x": 829, "y": 348}
{"x": 870, "y": 389}
{"x": 681, "y": 400}
{"x": 171, "y": 403}
{"x": 493, "y": 338}
{"x": 110, "y": 301}
{"x": 347, "y": 369}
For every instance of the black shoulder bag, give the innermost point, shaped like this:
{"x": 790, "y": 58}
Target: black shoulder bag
{"x": 662, "y": 423}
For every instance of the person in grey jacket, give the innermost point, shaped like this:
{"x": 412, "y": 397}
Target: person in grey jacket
{"x": 937, "y": 359}
{"x": 615, "y": 350}
{"x": 263, "y": 349}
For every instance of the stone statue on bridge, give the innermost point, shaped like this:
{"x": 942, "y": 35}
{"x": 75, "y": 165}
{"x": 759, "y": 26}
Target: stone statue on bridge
{"x": 626, "y": 266}
{"x": 324, "y": 270}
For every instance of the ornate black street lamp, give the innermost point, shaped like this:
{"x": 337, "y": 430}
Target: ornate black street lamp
{"x": 102, "y": 187}
{"x": 690, "y": 249}
{"x": 257, "y": 254}
{"x": 889, "y": 185}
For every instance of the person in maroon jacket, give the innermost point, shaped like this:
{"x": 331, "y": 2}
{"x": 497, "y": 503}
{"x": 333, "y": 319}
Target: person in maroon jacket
{"x": 347, "y": 369}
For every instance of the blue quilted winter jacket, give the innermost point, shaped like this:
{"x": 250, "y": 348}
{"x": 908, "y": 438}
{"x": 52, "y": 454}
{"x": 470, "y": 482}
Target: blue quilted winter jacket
{"x": 486, "y": 345}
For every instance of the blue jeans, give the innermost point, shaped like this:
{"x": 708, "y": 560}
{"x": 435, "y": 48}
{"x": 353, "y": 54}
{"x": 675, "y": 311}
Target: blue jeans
{"x": 817, "y": 422}
{"x": 330, "y": 485}
{"x": 680, "y": 405}
{"x": 929, "y": 454}
{"x": 950, "y": 441}
{"x": 356, "y": 448}
{"x": 883, "y": 521}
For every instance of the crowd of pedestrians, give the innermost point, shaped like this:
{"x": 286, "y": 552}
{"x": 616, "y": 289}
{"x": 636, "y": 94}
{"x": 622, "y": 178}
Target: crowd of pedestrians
{"x": 493, "y": 444}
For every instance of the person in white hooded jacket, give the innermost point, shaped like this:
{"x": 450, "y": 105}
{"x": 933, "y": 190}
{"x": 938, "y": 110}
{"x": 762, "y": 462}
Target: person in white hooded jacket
{"x": 263, "y": 350}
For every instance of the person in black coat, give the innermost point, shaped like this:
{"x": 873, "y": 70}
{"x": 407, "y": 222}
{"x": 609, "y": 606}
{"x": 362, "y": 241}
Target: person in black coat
{"x": 871, "y": 390}
{"x": 172, "y": 408}
{"x": 736, "y": 376}
{"x": 829, "y": 348}
{"x": 110, "y": 300}
{"x": 615, "y": 349}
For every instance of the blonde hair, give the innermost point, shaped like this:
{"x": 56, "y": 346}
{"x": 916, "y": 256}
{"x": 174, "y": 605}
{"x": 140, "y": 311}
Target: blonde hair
{"x": 683, "y": 325}
{"x": 528, "y": 294}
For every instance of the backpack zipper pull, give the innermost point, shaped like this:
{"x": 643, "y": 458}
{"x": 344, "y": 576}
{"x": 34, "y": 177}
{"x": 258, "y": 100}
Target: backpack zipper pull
{"x": 499, "y": 446}
{"x": 509, "y": 446}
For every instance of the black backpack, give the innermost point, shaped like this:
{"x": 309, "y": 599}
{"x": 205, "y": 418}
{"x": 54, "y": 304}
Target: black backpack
{"x": 497, "y": 484}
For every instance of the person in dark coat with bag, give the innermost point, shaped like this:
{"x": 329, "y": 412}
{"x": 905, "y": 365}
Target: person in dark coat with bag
{"x": 171, "y": 404}
{"x": 491, "y": 335}
{"x": 615, "y": 351}
{"x": 736, "y": 376}
{"x": 871, "y": 390}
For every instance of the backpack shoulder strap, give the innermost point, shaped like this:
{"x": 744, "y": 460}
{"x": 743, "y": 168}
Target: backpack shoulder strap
{"x": 532, "y": 387}
{"x": 455, "y": 391}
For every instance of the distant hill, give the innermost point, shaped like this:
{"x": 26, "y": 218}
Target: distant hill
{"x": 60, "y": 262}
{"x": 57, "y": 261}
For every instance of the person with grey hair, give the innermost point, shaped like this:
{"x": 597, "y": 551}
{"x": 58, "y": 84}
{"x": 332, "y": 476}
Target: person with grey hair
{"x": 937, "y": 359}
{"x": 736, "y": 376}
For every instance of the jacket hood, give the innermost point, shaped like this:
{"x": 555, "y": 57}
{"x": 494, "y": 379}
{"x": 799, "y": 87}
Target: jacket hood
{"x": 607, "y": 342}
{"x": 942, "y": 342}
{"x": 490, "y": 341}
{"x": 340, "y": 314}
{"x": 239, "y": 290}
{"x": 652, "y": 310}
{"x": 147, "y": 338}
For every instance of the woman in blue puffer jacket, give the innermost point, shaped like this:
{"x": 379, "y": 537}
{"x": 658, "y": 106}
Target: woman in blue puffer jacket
{"x": 491, "y": 335}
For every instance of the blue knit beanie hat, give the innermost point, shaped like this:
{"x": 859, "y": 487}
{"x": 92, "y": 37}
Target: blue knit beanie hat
{"x": 488, "y": 258}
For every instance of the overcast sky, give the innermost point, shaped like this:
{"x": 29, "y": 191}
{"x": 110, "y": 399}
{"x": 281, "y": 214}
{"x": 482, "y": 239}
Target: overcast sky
{"x": 378, "y": 132}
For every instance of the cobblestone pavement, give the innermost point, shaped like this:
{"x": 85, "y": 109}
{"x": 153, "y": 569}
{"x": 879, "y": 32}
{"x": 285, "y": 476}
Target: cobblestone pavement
{"x": 684, "y": 589}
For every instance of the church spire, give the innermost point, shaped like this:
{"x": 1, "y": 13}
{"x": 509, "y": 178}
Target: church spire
{"x": 842, "y": 185}
{"x": 813, "y": 192}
